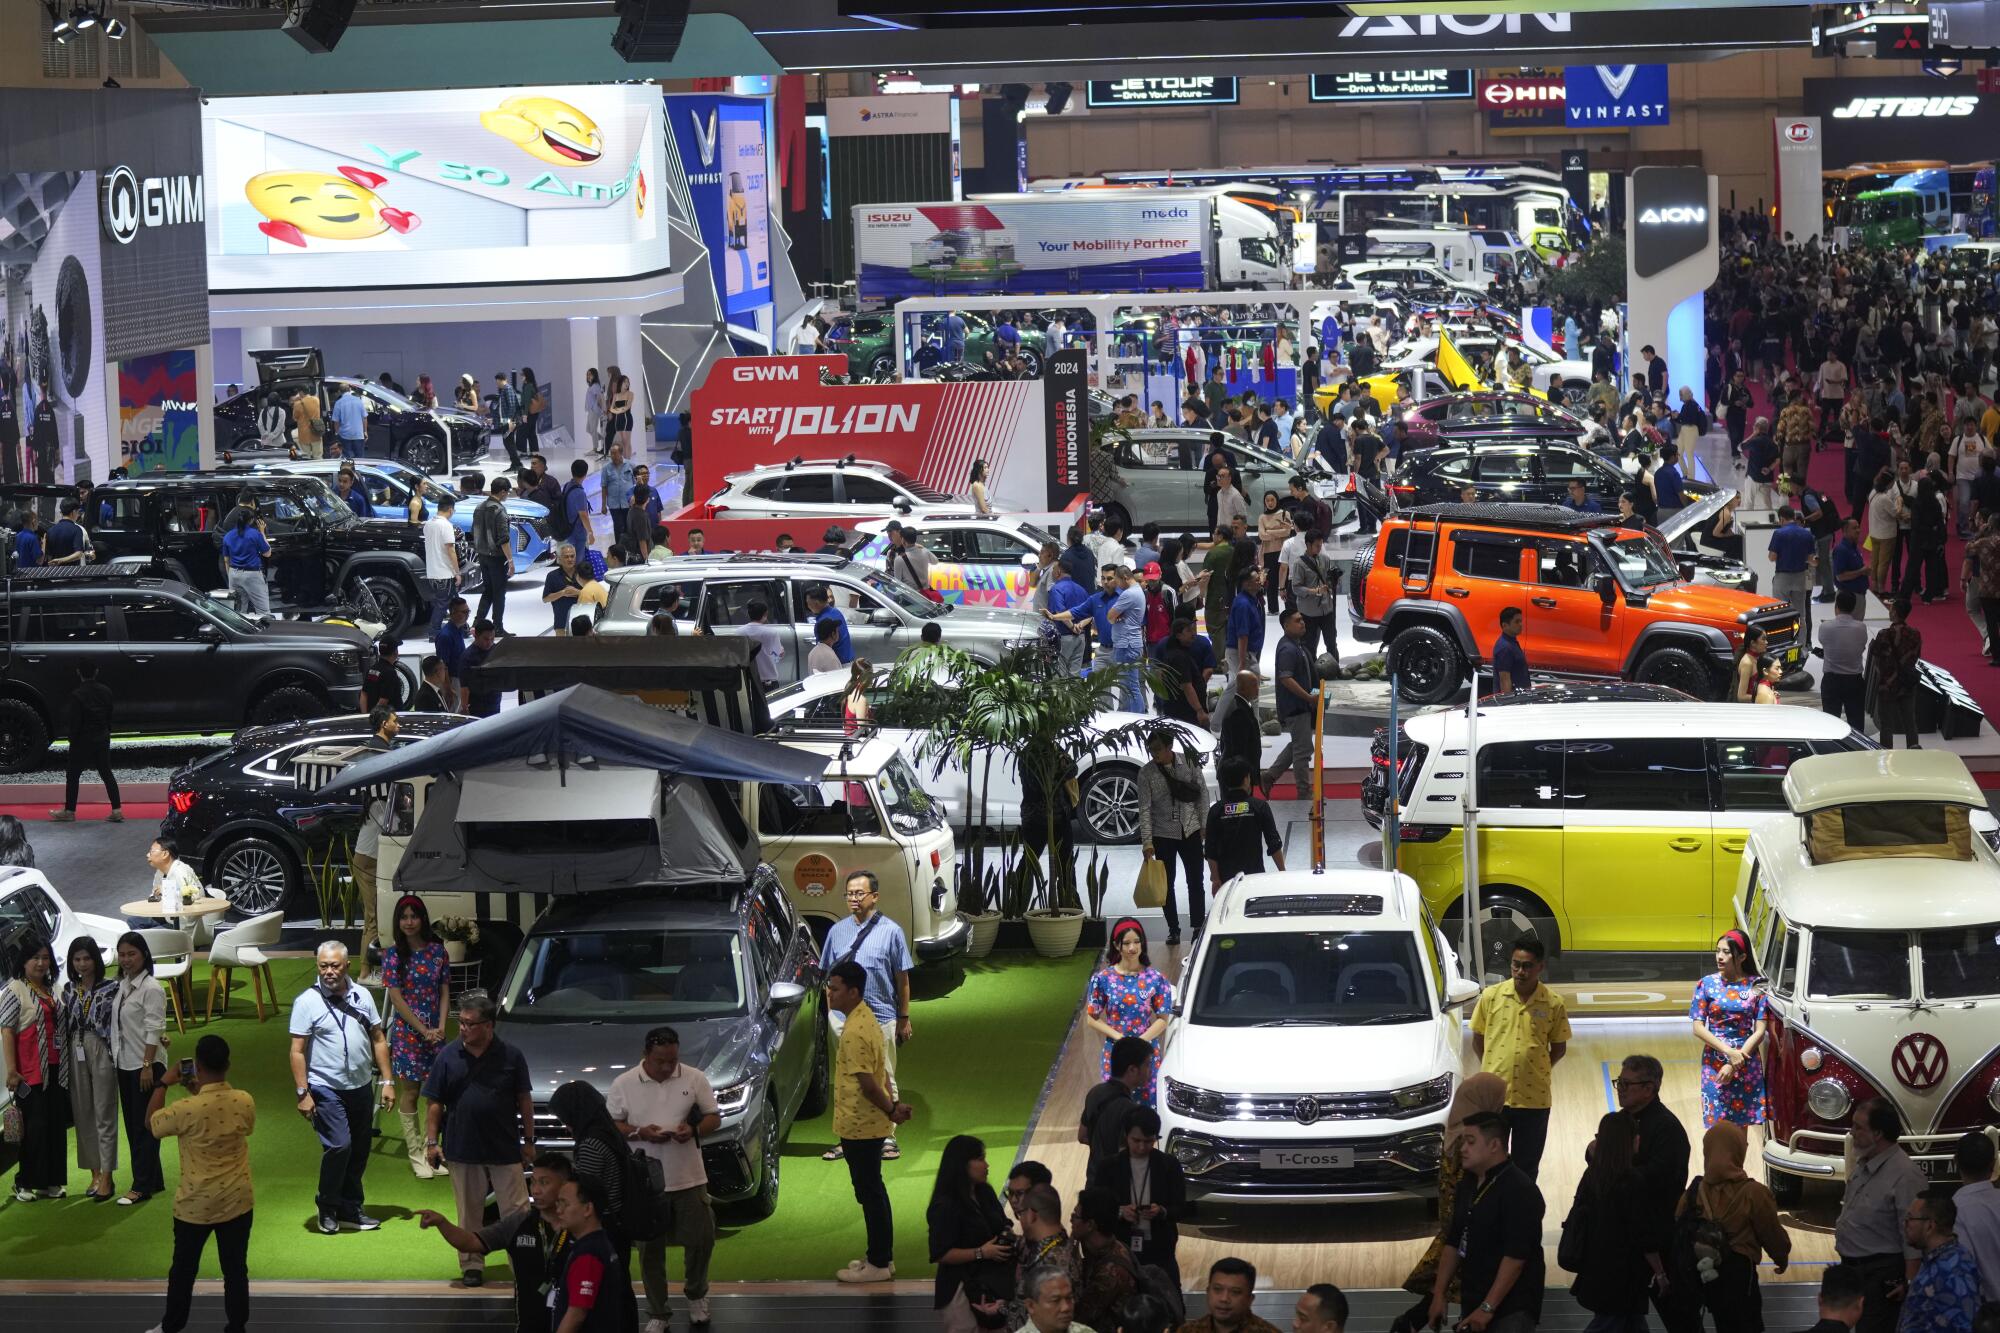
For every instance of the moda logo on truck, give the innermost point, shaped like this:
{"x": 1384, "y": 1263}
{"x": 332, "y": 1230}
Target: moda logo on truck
{"x": 781, "y": 423}
{"x": 1152, "y": 214}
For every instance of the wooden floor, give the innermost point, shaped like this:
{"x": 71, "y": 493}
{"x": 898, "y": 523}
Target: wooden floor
{"x": 1374, "y": 1244}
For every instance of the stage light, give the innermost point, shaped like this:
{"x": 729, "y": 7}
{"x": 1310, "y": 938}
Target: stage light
{"x": 83, "y": 19}
{"x": 114, "y": 29}
{"x": 61, "y": 31}
{"x": 1058, "y": 98}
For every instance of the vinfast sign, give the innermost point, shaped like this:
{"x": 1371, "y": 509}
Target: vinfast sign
{"x": 1615, "y": 96}
{"x": 1670, "y": 217}
{"x": 1171, "y": 90}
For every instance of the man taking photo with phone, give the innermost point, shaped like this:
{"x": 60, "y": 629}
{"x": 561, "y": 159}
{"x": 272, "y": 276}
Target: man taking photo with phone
{"x": 213, "y": 1196}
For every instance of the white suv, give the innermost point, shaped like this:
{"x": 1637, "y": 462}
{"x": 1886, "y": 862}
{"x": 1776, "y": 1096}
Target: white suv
{"x": 1312, "y": 1053}
{"x": 808, "y": 487}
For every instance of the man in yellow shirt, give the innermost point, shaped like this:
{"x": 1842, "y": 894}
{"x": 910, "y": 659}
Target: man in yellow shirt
{"x": 213, "y": 1197}
{"x": 864, "y": 1116}
{"x": 1520, "y": 1028}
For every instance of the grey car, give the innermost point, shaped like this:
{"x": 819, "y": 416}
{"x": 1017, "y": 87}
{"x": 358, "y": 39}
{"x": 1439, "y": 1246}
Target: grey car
{"x": 731, "y": 969}
{"x": 1157, "y": 473}
{"x": 883, "y": 616}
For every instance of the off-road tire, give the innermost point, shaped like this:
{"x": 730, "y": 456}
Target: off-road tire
{"x": 1425, "y": 664}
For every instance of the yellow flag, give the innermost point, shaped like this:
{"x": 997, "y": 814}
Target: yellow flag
{"x": 1457, "y": 371}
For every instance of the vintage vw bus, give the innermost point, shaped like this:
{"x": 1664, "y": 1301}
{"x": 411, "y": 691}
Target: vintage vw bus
{"x": 1873, "y": 912}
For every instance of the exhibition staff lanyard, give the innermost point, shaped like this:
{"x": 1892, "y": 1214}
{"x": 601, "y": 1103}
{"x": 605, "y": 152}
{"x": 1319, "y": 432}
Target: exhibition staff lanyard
{"x": 338, "y": 1011}
{"x": 1484, "y": 1186}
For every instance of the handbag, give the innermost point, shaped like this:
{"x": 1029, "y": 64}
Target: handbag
{"x": 538, "y": 404}
{"x": 1152, "y": 890}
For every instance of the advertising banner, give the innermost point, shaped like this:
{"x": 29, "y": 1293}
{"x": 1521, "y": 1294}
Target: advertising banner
{"x": 1796, "y": 144}
{"x": 1894, "y": 120}
{"x": 1064, "y": 385}
{"x": 888, "y": 113}
{"x": 719, "y": 142}
{"x": 52, "y": 358}
{"x": 1171, "y": 90}
{"x": 1432, "y": 84}
{"x": 405, "y": 189}
{"x": 1056, "y": 244}
{"x": 158, "y": 413}
{"x": 758, "y": 411}
{"x": 1523, "y": 104}
{"x": 1615, "y": 96}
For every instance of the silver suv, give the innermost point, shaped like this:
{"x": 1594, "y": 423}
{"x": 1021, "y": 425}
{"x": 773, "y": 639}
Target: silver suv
{"x": 883, "y": 616}
{"x": 836, "y": 487}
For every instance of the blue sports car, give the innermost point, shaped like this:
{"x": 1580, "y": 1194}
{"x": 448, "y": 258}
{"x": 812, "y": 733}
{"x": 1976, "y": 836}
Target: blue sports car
{"x": 389, "y": 483}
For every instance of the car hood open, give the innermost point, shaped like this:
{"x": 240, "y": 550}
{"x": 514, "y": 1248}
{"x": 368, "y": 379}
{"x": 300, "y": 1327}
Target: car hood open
{"x": 1701, "y": 511}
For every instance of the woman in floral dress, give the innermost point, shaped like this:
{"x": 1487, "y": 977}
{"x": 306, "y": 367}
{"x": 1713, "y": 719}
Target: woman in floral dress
{"x": 1129, "y": 998}
{"x": 416, "y": 981}
{"x": 1729, "y": 1012}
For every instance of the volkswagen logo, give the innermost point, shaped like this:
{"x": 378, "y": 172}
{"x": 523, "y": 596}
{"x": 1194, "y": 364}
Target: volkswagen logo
{"x": 120, "y": 205}
{"x": 1919, "y": 1062}
{"x": 1306, "y": 1110}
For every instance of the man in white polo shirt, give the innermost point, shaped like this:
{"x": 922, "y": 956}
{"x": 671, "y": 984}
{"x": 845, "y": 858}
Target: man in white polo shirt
{"x": 664, "y": 1107}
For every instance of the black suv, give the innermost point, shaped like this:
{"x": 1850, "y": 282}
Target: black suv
{"x": 1522, "y": 466}
{"x": 177, "y": 660}
{"x": 321, "y": 554}
{"x": 242, "y": 815}
{"x": 431, "y": 439}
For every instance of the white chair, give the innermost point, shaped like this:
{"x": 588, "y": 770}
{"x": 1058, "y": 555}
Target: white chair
{"x": 243, "y": 946}
{"x": 173, "y": 957}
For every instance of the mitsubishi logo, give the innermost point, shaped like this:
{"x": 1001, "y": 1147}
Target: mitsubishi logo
{"x": 1919, "y": 1062}
{"x": 1617, "y": 78}
{"x": 704, "y": 136}
{"x": 1306, "y": 1110}
{"x": 1907, "y": 40}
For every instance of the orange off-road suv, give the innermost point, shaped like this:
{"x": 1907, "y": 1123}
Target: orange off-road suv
{"x": 1600, "y": 601}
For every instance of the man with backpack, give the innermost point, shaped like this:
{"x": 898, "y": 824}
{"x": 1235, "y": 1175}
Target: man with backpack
{"x": 663, "y": 1107}
{"x": 1816, "y": 510}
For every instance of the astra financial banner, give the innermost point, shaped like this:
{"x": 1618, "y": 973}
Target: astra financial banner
{"x": 1415, "y": 84}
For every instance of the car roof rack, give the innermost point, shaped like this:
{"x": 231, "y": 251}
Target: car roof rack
{"x": 81, "y": 573}
{"x": 789, "y": 557}
{"x": 1553, "y": 518}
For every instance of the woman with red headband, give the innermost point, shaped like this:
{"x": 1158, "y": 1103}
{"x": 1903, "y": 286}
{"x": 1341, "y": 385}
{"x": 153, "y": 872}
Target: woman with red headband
{"x": 1129, "y": 998}
{"x": 1729, "y": 1012}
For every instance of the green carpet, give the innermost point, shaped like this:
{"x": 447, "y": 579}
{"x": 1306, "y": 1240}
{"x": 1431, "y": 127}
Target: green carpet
{"x": 976, "y": 1064}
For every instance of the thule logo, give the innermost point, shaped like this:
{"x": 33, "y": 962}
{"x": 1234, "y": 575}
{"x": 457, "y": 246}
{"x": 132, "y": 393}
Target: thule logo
{"x": 1673, "y": 216}
{"x": 1430, "y": 25}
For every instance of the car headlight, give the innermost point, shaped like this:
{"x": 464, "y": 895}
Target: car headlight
{"x": 1424, "y": 1096}
{"x": 732, "y": 1098}
{"x": 1195, "y": 1152}
{"x": 1186, "y": 1099}
{"x": 346, "y": 661}
{"x": 1828, "y": 1099}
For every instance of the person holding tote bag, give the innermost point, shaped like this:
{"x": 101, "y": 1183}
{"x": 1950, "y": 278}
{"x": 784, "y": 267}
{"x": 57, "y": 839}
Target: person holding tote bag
{"x": 1173, "y": 803}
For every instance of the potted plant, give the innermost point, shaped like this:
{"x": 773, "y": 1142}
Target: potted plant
{"x": 458, "y": 933}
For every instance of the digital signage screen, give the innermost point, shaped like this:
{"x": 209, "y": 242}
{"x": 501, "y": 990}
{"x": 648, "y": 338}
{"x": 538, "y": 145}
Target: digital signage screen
{"x": 1170, "y": 90}
{"x": 434, "y": 189}
{"x": 746, "y": 209}
{"x": 1393, "y": 85}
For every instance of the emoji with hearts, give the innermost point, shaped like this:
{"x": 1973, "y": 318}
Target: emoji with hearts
{"x": 546, "y": 129}
{"x": 344, "y": 207}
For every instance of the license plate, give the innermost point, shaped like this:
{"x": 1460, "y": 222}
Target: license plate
{"x": 1793, "y": 656}
{"x": 1305, "y": 1159}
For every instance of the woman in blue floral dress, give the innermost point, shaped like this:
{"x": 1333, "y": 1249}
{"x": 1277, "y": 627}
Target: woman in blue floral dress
{"x": 1129, "y": 998}
{"x": 416, "y": 982}
{"x": 1729, "y": 1012}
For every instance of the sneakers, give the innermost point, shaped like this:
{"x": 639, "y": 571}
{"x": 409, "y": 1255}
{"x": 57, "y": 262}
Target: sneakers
{"x": 698, "y": 1310}
{"x": 362, "y": 1222}
{"x": 329, "y": 1225}
{"x": 25, "y": 1196}
{"x": 56, "y": 1192}
{"x": 860, "y": 1270}
{"x": 62, "y": 816}
{"x": 116, "y": 816}
{"x": 658, "y": 1326}
{"x": 472, "y": 1277}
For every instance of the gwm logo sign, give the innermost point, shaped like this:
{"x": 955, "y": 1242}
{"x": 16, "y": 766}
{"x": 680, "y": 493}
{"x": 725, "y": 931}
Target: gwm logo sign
{"x": 1673, "y": 216}
{"x": 744, "y": 374}
{"x": 126, "y": 203}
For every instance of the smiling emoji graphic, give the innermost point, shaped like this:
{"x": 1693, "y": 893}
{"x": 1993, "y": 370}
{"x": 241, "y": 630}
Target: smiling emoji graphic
{"x": 298, "y": 204}
{"x": 554, "y": 132}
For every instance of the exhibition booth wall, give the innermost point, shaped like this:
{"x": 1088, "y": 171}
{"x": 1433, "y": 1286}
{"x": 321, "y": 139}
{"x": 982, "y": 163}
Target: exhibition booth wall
{"x": 103, "y": 286}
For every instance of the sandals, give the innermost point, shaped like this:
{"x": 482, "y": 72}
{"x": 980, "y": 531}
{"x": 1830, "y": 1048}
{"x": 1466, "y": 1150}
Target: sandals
{"x": 833, "y": 1154}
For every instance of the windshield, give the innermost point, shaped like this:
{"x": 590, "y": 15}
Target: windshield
{"x": 1641, "y": 560}
{"x": 387, "y": 396}
{"x": 627, "y": 974}
{"x": 1261, "y": 252}
{"x": 909, "y": 483}
{"x": 909, "y": 807}
{"x": 1859, "y": 965}
{"x": 1961, "y": 963}
{"x": 314, "y": 494}
{"x": 1310, "y": 977}
{"x": 220, "y": 611}
{"x": 903, "y": 595}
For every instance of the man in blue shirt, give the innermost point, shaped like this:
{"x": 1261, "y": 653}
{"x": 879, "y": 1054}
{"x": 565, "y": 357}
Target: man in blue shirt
{"x": 1078, "y": 558}
{"x": 1127, "y": 614}
{"x": 576, "y": 507}
{"x": 66, "y": 543}
{"x": 348, "y": 487}
{"x": 1794, "y": 552}
{"x": 822, "y": 608}
{"x": 880, "y": 947}
{"x": 1581, "y": 500}
{"x": 1850, "y": 566}
{"x": 1510, "y": 664}
{"x": 1246, "y": 623}
{"x": 1065, "y": 596}
{"x": 450, "y": 646}
{"x": 28, "y": 541}
{"x": 245, "y": 547}
{"x": 1667, "y": 489}
{"x": 350, "y": 424}
{"x": 954, "y": 337}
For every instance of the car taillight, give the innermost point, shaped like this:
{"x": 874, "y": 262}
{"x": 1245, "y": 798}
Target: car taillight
{"x": 1425, "y": 832}
{"x": 180, "y": 802}
{"x": 1403, "y": 492}
{"x": 936, "y": 860}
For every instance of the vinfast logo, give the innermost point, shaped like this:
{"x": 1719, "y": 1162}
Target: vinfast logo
{"x": 127, "y": 203}
{"x": 1906, "y": 108}
{"x": 704, "y": 136}
{"x": 782, "y": 423}
{"x": 1653, "y": 217}
{"x": 1468, "y": 25}
{"x": 1154, "y": 214}
{"x": 747, "y": 374}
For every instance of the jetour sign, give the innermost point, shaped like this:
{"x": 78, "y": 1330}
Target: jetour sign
{"x": 1906, "y": 108}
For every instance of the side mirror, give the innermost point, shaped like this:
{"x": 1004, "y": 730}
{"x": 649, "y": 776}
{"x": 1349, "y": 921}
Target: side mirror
{"x": 1460, "y": 990}
{"x": 883, "y": 617}
{"x": 1031, "y": 561}
{"x": 787, "y": 995}
{"x": 208, "y": 633}
{"x": 1607, "y": 588}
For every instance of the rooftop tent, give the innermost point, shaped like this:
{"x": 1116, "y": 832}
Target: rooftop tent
{"x": 581, "y": 725}
{"x": 1889, "y": 829}
{"x": 513, "y": 829}
{"x": 717, "y": 670}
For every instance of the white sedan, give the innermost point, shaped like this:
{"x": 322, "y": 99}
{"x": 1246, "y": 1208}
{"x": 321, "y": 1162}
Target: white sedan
{"x": 1109, "y": 782}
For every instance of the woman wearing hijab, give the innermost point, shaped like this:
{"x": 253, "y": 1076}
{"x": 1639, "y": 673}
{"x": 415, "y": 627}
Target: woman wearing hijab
{"x": 1747, "y": 1215}
{"x": 1480, "y": 1092}
{"x": 1611, "y": 1239}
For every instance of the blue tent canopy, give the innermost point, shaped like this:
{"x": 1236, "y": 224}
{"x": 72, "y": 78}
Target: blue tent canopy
{"x": 586, "y": 722}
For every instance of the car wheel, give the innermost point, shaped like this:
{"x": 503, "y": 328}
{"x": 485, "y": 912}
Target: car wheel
{"x": 819, "y": 1089}
{"x": 427, "y": 453}
{"x": 24, "y": 737}
{"x": 1506, "y": 914}
{"x": 1424, "y": 663}
{"x": 882, "y": 367}
{"x": 1117, "y": 512}
{"x": 255, "y": 874}
{"x": 1678, "y": 668}
{"x": 1786, "y": 1188}
{"x": 765, "y": 1201}
{"x": 288, "y": 703}
{"x": 395, "y": 602}
{"x": 1031, "y": 362}
{"x": 1109, "y": 804}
